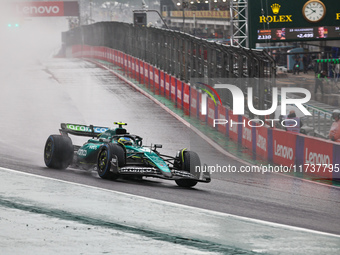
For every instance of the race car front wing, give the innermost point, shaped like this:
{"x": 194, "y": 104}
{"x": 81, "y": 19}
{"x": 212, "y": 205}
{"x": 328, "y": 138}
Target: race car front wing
{"x": 155, "y": 172}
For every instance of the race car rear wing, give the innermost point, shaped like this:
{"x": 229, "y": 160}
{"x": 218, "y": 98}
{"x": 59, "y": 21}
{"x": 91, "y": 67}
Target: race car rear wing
{"x": 81, "y": 130}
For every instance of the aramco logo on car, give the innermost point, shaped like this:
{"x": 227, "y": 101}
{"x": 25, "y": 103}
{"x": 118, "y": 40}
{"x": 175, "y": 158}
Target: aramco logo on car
{"x": 84, "y": 128}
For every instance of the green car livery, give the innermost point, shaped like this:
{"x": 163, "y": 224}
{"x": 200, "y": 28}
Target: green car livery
{"x": 115, "y": 153}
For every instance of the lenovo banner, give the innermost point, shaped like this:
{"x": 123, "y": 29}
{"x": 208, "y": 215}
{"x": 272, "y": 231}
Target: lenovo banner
{"x": 318, "y": 157}
{"x": 156, "y": 80}
{"x": 179, "y": 94}
{"x": 203, "y": 109}
{"x": 193, "y": 102}
{"x": 162, "y": 82}
{"x": 247, "y": 137}
{"x": 151, "y": 78}
{"x": 46, "y": 9}
{"x": 262, "y": 142}
{"x": 106, "y": 53}
{"x": 141, "y": 72}
{"x": 222, "y": 114}
{"x": 173, "y": 84}
{"x": 133, "y": 67}
{"x": 110, "y": 52}
{"x": 118, "y": 58}
{"x": 129, "y": 65}
{"x": 146, "y": 74}
{"x": 101, "y": 51}
{"x": 125, "y": 66}
{"x": 211, "y": 112}
{"x": 121, "y": 58}
{"x": 186, "y": 98}
{"x": 167, "y": 85}
{"x": 86, "y": 51}
{"x": 137, "y": 65}
{"x": 233, "y": 129}
{"x": 116, "y": 52}
{"x": 284, "y": 147}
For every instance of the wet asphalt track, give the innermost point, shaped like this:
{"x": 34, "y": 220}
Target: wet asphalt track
{"x": 37, "y": 96}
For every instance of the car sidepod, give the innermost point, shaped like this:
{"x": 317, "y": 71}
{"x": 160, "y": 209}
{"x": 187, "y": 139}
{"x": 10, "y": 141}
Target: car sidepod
{"x": 87, "y": 154}
{"x": 143, "y": 161}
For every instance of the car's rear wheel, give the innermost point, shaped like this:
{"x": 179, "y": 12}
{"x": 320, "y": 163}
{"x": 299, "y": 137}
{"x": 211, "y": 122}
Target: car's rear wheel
{"x": 104, "y": 160}
{"x": 189, "y": 163}
{"x": 58, "y": 151}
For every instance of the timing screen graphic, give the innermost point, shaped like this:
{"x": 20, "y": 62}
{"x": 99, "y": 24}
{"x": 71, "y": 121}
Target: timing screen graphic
{"x": 300, "y": 33}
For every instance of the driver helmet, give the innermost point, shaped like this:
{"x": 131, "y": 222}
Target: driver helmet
{"x": 336, "y": 113}
{"x": 125, "y": 140}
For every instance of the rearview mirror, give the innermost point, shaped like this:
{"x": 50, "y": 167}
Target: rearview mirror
{"x": 156, "y": 146}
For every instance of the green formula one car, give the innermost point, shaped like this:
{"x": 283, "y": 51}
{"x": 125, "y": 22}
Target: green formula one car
{"x": 116, "y": 153}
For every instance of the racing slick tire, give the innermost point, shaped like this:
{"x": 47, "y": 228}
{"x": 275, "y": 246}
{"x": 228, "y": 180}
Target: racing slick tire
{"x": 104, "y": 160}
{"x": 190, "y": 161}
{"x": 58, "y": 151}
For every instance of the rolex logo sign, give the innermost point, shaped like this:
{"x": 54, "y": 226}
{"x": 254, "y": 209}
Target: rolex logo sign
{"x": 275, "y": 8}
{"x": 276, "y": 18}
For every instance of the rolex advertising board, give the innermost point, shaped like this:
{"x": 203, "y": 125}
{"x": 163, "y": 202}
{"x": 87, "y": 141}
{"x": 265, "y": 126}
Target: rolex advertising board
{"x": 291, "y": 20}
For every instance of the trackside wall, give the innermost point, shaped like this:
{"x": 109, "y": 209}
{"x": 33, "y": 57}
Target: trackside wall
{"x": 303, "y": 154}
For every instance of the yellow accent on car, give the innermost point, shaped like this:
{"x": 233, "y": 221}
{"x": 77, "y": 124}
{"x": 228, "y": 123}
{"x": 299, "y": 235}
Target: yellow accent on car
{"x": 120, "y": 123}
{"x": 182, "y": 152}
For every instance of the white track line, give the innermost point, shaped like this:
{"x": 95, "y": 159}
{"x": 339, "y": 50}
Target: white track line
{"x": 204, "y": 211}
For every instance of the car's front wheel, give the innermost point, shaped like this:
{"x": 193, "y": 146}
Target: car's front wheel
{"x": 189, "y": 162}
